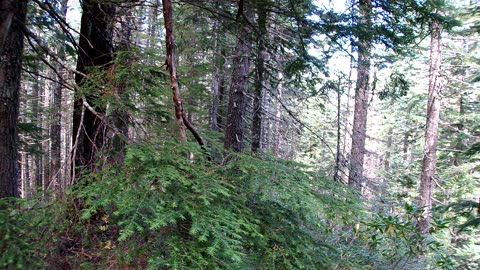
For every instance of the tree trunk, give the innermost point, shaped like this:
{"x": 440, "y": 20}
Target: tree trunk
{"x": 355, "y": 178}
{"x": 237, "y": 103}
{"x": 431, "y": 132}
{"x": 339, "y": 154}
{"x": 119, "y": 118}
{"x": 388, "y": 152}
{"x": 172, "y": 68}
{"x": 11, "y": 50}
{"x": 96, "y": 50}
{"x": 217, "y": 109}
{"x": 277, "y": 123}
{"x": 258, "y": 113}
{"x": 56, "y": 123}
{"x": 216, "y": 77}
{"x": 37, "y": 172}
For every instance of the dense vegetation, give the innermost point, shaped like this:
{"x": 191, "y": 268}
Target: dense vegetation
{"x": 299, "y": 137}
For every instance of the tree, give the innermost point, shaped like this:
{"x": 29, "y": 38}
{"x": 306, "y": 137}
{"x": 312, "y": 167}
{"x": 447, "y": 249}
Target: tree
{"x": 13, "y": 14}
{"x": 355, "y": 178}
{"x": 237, "y": 103}
{"x": 95, "y": 52}
{"x": 172, "y": 68}
{"x": 258, "y": 108}
{"x": 56, "y": 124}
{"x": 431, "y": 130}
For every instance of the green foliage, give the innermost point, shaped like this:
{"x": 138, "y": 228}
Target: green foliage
{"x": 396, "y": 87}
{"x": 169, "y": 206}
{"x": 14, "y": 245}
{"x": 25, "y": 229}
{"x": 196, "y": 214}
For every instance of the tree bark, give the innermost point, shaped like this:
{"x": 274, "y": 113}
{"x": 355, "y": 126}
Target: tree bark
{"x": 216, "y": 80}
{"x": 56, "y": 123}
{"x": 11, "y": 49}
{"x": 277, "y": 123}
{"x": 338, "y": 154}
{"x": 355, "y": 178}
{"x": 258, "y": 113}
{"x": 237, "y": 103}
{"x": 36, "y": 119}
{"x": 431, "y": 132}
{"x": 172, "y": 69}
{"x": 96, "y": 50}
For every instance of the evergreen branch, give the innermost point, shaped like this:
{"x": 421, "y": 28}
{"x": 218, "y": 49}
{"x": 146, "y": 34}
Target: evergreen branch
{"x": 66, "y": 28}
{"x": 292, "y": 115}
{"x": 32, "y": 36}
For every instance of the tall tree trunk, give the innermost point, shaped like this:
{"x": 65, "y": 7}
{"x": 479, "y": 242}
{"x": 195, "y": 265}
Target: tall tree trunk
{"x": 172, "y": 68}
{"x": 218, "y": 82}
{"x": 13, "y": 14}
{"x": 431, "y": 132}
{"x": 355, "y": 178}
{"x": 237, "y": 102}
{"x": 267, "y": 119}
{"x": 96, "y": 50}
{"x": 56, "y": 123}
{"x": 215, "y": 81}
{"x": 222, "y": 87}
{"x": 347, "y": 116}
{"x": 388, "y": 152}
{"x": 37, "y": 172}
{"x": 258, "y": 114}
{"x": 339, "y": 154}
{"x": 119, "y": 137}
{"x": 277, "y": 123}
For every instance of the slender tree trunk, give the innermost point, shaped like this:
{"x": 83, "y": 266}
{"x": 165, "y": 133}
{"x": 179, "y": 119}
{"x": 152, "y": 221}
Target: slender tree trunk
{"x": 44, "y": 157}
{"x": 431, "y": 132}
{"x": 388, "y": 153}
{"x": 258, "y": 113}
{"x": 96, "y": 50}
{"x": 266, "y": 123}
{"x": 172, "y": 69}
{"x": 339, "y": 154}
{"x": 277, "y": 124}
{"x": 216, "y": 76}
{"x": 346, "y": 115}
{"x": 35, "y": 119}
{"x": 11, "y": 50}
{"x": 217, "y": 111}
{"x": 237, "y": 103}
{"x": 56, "y": 124}
{"x": 459, "y": 145}
{"x": 222, "y": 106}
{"x": 359, "y": 132}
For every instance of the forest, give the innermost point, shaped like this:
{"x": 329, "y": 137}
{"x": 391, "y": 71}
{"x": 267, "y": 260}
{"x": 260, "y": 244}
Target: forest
{"x": 243, "y": 134}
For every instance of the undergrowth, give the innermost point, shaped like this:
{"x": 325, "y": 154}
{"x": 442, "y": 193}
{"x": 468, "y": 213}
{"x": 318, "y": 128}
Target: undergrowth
{"x": 168, "y": 206}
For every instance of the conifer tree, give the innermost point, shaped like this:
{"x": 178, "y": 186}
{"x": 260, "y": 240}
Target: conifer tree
{"x": 431, "y": 129}
{"x": 237, "y": 103}
{"x": 359, "y": 133}
{"x": 13, "y": 14}
{"x": 95, "y": 52}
